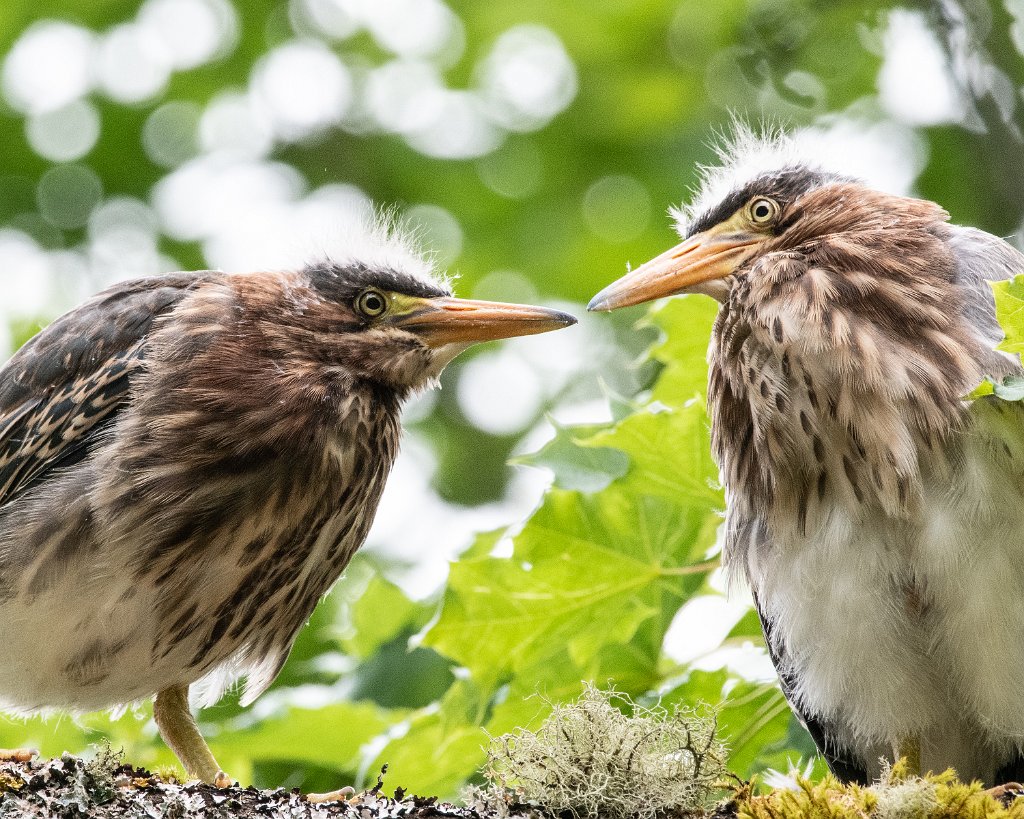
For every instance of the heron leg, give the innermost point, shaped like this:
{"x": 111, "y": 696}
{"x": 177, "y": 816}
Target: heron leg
{"x": 910, "y": 749}
{"x": 180, "y": 732}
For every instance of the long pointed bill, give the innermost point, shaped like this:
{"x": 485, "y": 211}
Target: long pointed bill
{"x": 702, "y": 258}
{"x": 441, "y": 321}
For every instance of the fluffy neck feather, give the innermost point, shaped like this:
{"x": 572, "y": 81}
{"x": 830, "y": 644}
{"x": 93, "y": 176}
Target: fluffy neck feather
{"x": 838, "y": 366}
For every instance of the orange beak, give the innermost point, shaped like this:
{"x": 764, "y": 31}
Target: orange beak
{"x": 448, "y": 320}
{"x": 689, "y": 266}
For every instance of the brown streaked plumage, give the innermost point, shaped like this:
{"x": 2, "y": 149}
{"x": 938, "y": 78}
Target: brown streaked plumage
{"x": 873, "y": 510}
{"x": 188, "y": 462}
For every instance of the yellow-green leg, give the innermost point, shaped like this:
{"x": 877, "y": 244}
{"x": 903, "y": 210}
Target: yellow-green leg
{"x": 910, "y": 749}
{"x": 180, "y": 732}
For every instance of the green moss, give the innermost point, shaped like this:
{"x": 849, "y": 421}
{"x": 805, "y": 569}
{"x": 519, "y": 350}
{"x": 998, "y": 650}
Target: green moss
{"x": 897, "y": 796}
{"x": 9, "y": 782}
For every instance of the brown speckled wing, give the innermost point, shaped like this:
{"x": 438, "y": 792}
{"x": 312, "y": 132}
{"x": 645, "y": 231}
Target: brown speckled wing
{"x": 61, "y": 389}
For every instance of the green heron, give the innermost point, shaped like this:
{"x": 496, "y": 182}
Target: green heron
{"x": 873, "y": 510}
{"x": 189, "y": 461}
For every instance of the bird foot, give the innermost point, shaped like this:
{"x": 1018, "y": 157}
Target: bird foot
{"x": 17, "y": 754}
{"x": 341, "y": 795}
{"x": 1006, "y": 793}
{"x": 222, "y": 780}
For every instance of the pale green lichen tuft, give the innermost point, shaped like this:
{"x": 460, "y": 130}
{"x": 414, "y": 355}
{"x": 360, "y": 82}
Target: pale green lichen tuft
{"x": 105, "y": 762}
{"x": 606, "y": 756}
{"x": 904, "y": 797}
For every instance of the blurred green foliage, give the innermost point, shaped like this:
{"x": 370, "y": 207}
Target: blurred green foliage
{"x": 587, "y": 587}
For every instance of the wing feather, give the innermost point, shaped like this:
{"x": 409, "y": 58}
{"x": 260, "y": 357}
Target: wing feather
{"x": 67, "y": 384}
{"x": 982, "y": 258}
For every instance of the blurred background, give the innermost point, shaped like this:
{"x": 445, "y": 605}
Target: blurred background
{"x": 535, "y": 148}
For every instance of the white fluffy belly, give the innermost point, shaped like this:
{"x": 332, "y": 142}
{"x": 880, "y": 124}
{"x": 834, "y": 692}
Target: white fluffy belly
{"x": 63, "y": 652}
{"x": 897, "y": 630}
{"x": 90, "y": 638}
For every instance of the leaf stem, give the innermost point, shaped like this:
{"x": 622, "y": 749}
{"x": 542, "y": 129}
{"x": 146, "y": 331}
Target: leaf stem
{"x": 693, "y": 568}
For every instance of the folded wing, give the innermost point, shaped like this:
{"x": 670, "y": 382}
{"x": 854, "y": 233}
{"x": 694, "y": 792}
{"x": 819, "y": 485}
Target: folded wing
{"x": 67, "y": 384}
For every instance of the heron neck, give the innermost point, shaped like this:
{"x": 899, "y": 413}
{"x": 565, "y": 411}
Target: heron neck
{"x": 823, "y": 392}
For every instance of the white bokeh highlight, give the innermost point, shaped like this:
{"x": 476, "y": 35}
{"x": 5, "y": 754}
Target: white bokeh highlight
{"x": 258, "y": 215}
{"x": 335, "y": 19}
{"x": 459, "y": 128}
{"x": 132, "y": 64}
{"x": 190, "y": 33}
{"x": 232, "y": 124}
{"x": 404, "y": 96}
{"x": 25, "y": 273}
{"x": 169, "y": 133}
{"x": 123, "y": 234}
{"x": 301, "y": 87}
{"x": 499, "y": 392}
{"x": 915, "y": 83}
{"x": 888, "y": 155}
{"x": 49, "y": 66}
{"x": 437, "y": 231}
{"x": 64, "y": 134}
{"x": 528, "y": 78}
{"x": 412, "y": 28}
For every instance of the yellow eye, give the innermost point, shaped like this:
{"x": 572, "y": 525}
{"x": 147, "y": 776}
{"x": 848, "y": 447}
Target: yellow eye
{"x": 371, "y": 303}
{"x": 763, "y": 210}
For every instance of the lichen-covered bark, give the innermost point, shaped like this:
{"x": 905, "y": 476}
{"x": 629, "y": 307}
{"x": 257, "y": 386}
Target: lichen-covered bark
{"x": 72, "y": 788}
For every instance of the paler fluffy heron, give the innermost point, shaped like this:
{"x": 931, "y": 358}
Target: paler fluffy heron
{"x": 189, "y": 461}
{"x": 875, "y": 511}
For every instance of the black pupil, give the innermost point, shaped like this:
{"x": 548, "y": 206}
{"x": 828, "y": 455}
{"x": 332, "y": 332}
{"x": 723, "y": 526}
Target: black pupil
{"x": 761, "y": 210}
{"x": 372, "y": 303}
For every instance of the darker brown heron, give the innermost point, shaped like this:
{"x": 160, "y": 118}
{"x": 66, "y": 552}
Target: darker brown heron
{"x": 187, "y": 464}
{"x": 874, "y": 511}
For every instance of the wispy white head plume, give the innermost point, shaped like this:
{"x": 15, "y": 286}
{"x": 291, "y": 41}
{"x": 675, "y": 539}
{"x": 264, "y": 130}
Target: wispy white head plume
{"x": 885, "y": 156}
{"x": 381, "y": 238}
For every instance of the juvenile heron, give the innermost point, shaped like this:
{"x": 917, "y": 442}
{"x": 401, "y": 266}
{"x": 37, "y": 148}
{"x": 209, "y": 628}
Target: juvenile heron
{"x": 876, "y": 513}
{"x": 189, "y": 461}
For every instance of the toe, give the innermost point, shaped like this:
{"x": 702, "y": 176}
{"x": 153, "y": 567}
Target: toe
{"x": 1007, "y": 793}
{"x": 222, "y": 780}
{"x": 340, "y": 795}
{"x": 17, "y": 754}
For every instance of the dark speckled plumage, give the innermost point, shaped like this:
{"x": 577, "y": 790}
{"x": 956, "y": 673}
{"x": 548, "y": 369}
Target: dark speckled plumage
{"x": 185, "y": 426}
{"x": 67, "y": 382}
{"x": 864, "y": 323}
{"x": 873, "y": 509}
{"x": 188, "y": 462}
